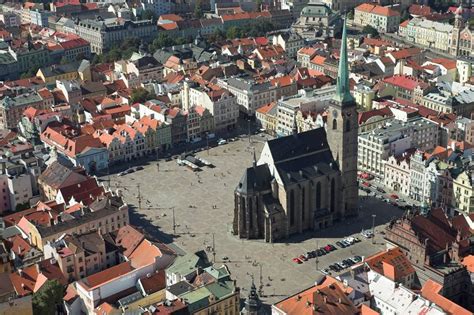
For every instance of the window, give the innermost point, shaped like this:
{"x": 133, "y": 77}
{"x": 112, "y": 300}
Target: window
{"x": 292, "y": 207}
{"x": 333, "y": 195}
{"x": 334, "y": 124}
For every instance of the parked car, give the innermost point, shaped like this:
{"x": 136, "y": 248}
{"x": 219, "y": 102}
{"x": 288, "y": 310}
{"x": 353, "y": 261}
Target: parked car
{"x": 325, "y": 271}
{"x": 357, "y": 259}
{"x": 139, "y": 168}
{"x": 332, "y": 247}
{"x": 340, "y": 244}
{"x": 394, "y": 196}
{"x": 122, "y": 173}
{"x": 130, "y": 170}
{"x": 221, "y": 141}
{"x": 366, "y": 184}
{"x": 380, "y": 189}
{"x": 303, "y": 258}
{"x": 367, "y": 234}
{"x": 297, "y": 260}
{"x": 328, "y": 248}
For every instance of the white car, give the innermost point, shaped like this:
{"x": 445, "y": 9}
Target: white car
{"x": 221, "y": 142}
{"x": 367, "y": 234}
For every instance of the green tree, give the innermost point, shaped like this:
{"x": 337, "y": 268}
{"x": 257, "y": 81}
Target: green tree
{"x": 370, "y": 31}
{"x": 46, "y": 299}
{"x": 141, "y": 95}
{"x": 233, "y": 32}
{"x": 162, "y": 40}
{"x": 63, "y": 61}
{"x": 149, "y": 15}
{"x": 198, "y": 9}
{"x": 350, "y": 15}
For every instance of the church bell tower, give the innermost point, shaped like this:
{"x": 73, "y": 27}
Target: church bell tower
{"x": 342, "y": 128}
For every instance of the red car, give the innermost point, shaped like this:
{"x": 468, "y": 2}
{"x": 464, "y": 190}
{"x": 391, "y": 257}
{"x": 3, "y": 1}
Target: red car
{"x": 394, "y": 196}
{"x": 302, "y": 258}
{"x": 297, "y": 260}
{"x": 366, "y": 184}
{"x": 328, "y": 248}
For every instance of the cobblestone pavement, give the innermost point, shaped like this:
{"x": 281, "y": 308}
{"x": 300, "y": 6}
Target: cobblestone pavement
{"x": 203, "y": 204}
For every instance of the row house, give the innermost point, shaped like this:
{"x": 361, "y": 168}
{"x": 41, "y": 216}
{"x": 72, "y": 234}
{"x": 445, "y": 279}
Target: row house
{"x": 266, "y": 117}
{"x": 397, "y": 173}
{"x": 286, "y": 86}
{"x": 220, "y": 103}
{"x": 305, "y": 55}
{"x": 431, "y": 181}
{"x": 157, "y": 134}
{"x": 81, "y": 149}
{"x": 393, "y": 139}
{"x": 144, "y": 68}
{"x": 123, "y": 142}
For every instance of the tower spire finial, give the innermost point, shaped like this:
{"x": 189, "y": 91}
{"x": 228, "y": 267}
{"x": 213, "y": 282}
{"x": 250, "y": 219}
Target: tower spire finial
{"x": 343, "y": 94}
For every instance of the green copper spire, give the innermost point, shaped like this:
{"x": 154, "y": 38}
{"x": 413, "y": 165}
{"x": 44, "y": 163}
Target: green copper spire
{"x": 343, "y": 94}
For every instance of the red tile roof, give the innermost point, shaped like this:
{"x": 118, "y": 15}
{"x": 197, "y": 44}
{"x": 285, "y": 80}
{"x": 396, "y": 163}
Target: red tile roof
{"x": 391, "y": 263}
{"x": 128, "y": 239}
{"x": 328, "y": 298}
{"x": 430, "y": 291}
{"x": 406, "y": 82}
{"x": 107, "y": 275}
{"x": 31, "y": 278}
{"x": 74, "y": 43}
{"x": 265, "y": 109}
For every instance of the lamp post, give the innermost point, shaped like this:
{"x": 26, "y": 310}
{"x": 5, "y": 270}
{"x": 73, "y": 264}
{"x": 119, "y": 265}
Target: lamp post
{"x": 373, "y": 228}
{"x": 248, "y": 124}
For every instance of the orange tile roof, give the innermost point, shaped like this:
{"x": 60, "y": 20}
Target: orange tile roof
{"x": 107, "y": 275}
{"x": 128, "y": 238}
{"x": 145, "y": 254}
{"x": 325, "y": 297}
{"x": 384, "y": 11}
{"x": 318, "y": 60}
{"x": 430, "y": 291}
{"x": 31, "y": 278}
{"x": 365, "y": 7}
{"x": 366, "y": 310}
{"x": 171, "y": 17}
{"x": 405, "y": 23}
{"x": 445, "y": 62}
{"x": 468, "y": 261}
{"x": 265, "y": 109}
{"x": 282, "y": 81}
{"x": 391, "y": 263}
{"x": 307, "y": 51}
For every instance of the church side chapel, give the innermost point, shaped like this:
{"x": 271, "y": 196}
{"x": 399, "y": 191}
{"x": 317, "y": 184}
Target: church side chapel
{"x": 305, "y": 181}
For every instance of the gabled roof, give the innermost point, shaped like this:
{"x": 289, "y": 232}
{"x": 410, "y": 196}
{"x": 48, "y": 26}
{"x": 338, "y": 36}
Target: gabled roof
{"x": 57, "y": 176}
{"x": 391, "y": 263}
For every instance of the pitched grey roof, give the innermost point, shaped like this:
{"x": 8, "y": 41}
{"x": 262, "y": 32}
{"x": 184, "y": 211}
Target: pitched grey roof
{"x": 256, "y": 178}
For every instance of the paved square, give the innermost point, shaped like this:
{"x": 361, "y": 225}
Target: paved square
{"x": 203, "y": 204}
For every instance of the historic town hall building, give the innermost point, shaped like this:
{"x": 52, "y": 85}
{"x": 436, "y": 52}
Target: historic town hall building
{"x": 303, "y": 181}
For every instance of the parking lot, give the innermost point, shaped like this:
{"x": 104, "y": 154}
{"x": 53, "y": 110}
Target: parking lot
{"x": 201, "y": 206}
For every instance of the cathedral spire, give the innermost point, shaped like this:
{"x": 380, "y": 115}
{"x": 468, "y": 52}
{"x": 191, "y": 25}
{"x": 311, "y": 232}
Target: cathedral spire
{"x": 343, "y": 94}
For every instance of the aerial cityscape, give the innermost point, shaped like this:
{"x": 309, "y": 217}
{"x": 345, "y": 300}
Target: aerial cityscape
{"x": 225, "y": 157}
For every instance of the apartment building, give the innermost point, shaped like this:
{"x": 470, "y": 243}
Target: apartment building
{"x": 12, "y": 107}
{"x": 431, "y": 34}
{"x": 250, "y": 94}
{"x": 383, "y": 19}
{"x": 220, "y": 103}
{"x": 394, "y": 138}
{"x": 102, "y": 34}
{"x": 287, "y": 108}
{"x": 105, "y": 214}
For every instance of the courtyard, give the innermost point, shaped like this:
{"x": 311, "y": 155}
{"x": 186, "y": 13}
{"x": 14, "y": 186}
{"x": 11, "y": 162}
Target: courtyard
{"x": 193, "y": 211}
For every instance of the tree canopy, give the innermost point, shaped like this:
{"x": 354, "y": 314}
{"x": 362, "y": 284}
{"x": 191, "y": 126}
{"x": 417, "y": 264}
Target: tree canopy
{"x": 47, "y": 299}
{"x": 370, "y": 31}
{"x": 141, "y": 95}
